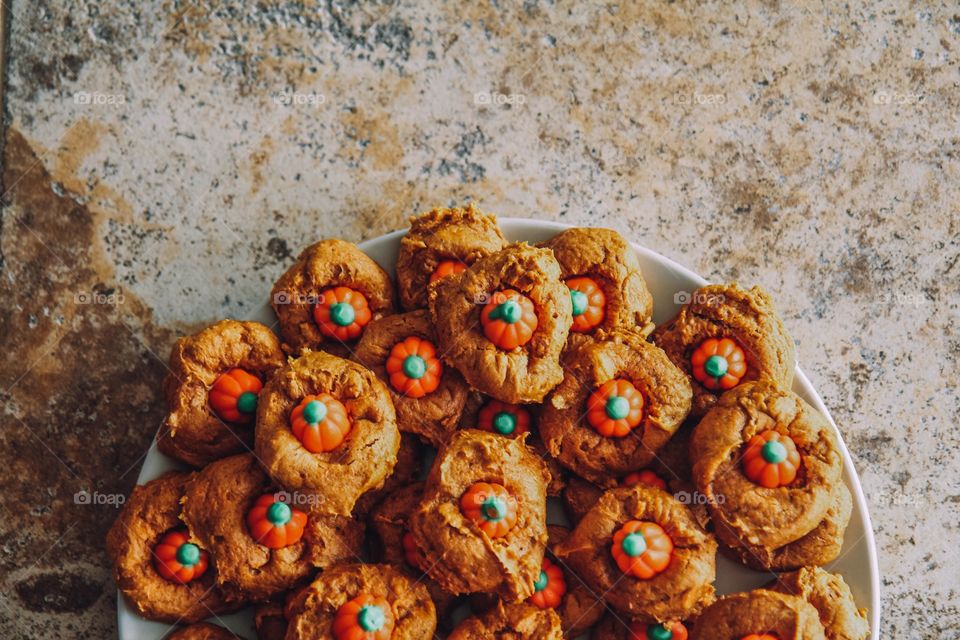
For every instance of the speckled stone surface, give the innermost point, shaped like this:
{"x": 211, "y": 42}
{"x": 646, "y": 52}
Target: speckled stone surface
{"x": 164, "y": 161}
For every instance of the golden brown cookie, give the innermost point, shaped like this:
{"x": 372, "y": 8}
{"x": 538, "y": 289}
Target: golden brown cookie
{"x": 328, "y": 296}
{"x": 606, "y": 284}
{"x": 831, "y": 597}
{"x": 326, "y": 428}
{"x": 390, "y": 520}
{"x": 482, "y": 523}
{"x": 504, "y": 321}
{"x": 724, "y": 336}
{"x": 428, "y": 396}
{"x": 768, "y": 464}
{"x": 151, "y": 516}
{"x": 645, "y": 553}
{"x": 406, "y": 471}
{"x": 620, "y": 401}
{"x": 270, "y": 621}
{"x": 521, "y": 621}
{"x": 440, "y": 242}
{"x": 263, "y": 541}
{"x": 512, "y": 421}
{"x": 211, "y": 390}
{"x": 203, "y": 631}
{"x": 760, "y": 611}
{"x": 560, "y": 589}
{"x": 354, "y": 598}
{"x": 615, "y": 627}
{"x": 580, "y": 495}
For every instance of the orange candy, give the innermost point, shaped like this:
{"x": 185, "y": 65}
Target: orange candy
{"x": 411, "y": 552}
{"x": 615, "y": 408}
{"x": 413, "y": 367}
{"x": 589, "y": 303}
{"x": 509, "y": 319}
{"x": 341, "y": 313}
{"x": 760, "y": 636}
{"x": 642, "y": 549}
{"x": 771, "y": 459}
{"x": 275, "y": 524}
{"x": 661, "y": 631}
{"x": 233, "y": 396}
{"x": 718, "y": 364}
{"x": 177, "y": 559}
{"x": 550, "y": 586}
{"x": 320, "y": 422}
{"x": 491, "y": 507}
{"x": 503, "y": 418}
{"x": 447, "y": 268}
{"x": 644, "y": 476}
{"x": 366, "y": 617}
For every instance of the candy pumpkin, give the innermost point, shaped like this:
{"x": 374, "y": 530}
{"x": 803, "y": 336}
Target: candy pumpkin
{"x": 320, "y": 422}
{"x": 644, "y": 476}
{"x": 341, "y": 313}
{"x": 503, "y": 418}
{"x": 275, "y": 524}
{"x": 411, "y": 552}
{"x": 615, "y": 408}
{"x": 177, "y": 559}
{"x": 447, "y": 268}
{"x": 509, "y": 319}
{"x": 413, "y": 367}
{"x": 718, "y": 364}
{"x": 771, "y": 459}
{"x": 491, "y": 507}
{"x": 760, "y": 636}
{"x": 233, "y": 396}
{"x": 588, "y": 302}
{"x": 550, "y": 586}
{"x": 642, "y": 549}
{"x": 660, "y": 631}
{"x": 365, "y": 617}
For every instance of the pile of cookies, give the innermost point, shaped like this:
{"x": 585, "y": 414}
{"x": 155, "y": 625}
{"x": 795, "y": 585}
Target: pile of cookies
{"x": 534, "y": 371}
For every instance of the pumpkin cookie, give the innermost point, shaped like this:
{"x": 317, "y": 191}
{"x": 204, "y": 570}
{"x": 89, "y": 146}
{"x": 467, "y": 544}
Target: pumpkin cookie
{"x": 768, "y": 464}
{"x": 263, "y": 541}
{"x": 439, "y": 243}
{"x": 521, "y": 621}
{"x": 326, "y": 428}
{"x": 620, "y": 401}
{"x": 758, "y": 615}
{"x": 580, "y": 495}
{"x": 428, "y": 397}
{"x": 397, "y": 547}
{"x": 354, "y": 601}
{"x": 212, "y": 388}
{"x": 482, "y": 520}
{"x": 607, "y": 289}
{"x": 558, "y": 588}
{"x": 161, "y": 573}
{"x": 831, "y": 597}
{"x": 726, "y": 336}
{"x": 512, "y": 421}
{"x": 406, "y": 471}
{"x": 645, "y": 553}
{"x": 503, "y": 323}
{"x": 203, "y": 631}
{"x": 614, "y": 627}
{"x": 328, "y": 296}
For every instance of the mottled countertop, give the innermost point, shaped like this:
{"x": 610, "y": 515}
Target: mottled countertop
{"x": 164, "y": 161}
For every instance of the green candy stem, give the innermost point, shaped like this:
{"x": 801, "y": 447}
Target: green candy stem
{"x": 279, "y": 514}
{"x": 773, "y": 452}
{"x": 659, "y": 632}
{"x": 579, "y": 301}
{"x": 343, "y": 314}
{"x": 188, "y": 554}
{"x": 414, "y": 367}
{"x": 493, "y": 509}
{"x": 508, "y": 311}
{"x": 634, "y": 544}
{"x": 315, "y": 412}
{"x": 542, "y": 581}
{"x": 617, "y": 407}
{"x": 716, "y": 366}
{"x": 247, "y": 402}
{"x": 371, "y": 618}
{"x": 505, "y": 423}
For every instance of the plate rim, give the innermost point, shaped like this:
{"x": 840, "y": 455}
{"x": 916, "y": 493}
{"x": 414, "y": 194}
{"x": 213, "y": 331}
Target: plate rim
{"x": 850, "y": 474}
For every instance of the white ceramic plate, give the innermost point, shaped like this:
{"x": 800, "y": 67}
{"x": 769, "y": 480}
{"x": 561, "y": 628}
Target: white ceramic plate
{"x": 666, "y": 280}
